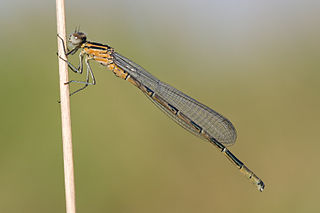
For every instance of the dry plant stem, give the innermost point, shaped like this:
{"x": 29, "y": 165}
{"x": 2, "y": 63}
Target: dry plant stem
{"x": 65, "y": 113}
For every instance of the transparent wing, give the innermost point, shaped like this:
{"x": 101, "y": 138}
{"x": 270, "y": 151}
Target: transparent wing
{"x": 216, "y": 125}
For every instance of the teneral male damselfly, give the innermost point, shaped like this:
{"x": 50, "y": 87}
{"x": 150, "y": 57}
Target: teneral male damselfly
{"x": 192, "y": 115}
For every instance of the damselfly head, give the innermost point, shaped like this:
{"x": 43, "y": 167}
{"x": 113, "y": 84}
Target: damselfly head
{"x": 77, "y": 38}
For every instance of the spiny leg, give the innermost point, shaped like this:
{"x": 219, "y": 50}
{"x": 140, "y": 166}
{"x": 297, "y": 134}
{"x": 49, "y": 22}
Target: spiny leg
{"x": 72, "y": 67}
{"x": 89, "y": 70}
{"x": 73, "y": 51}
{"x": 66, "y": 51}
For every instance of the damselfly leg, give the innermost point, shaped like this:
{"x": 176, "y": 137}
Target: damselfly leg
{"x": 78, "y": 70}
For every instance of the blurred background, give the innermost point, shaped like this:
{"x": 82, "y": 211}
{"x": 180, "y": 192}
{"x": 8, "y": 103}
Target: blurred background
{"x": 256, "y": 62}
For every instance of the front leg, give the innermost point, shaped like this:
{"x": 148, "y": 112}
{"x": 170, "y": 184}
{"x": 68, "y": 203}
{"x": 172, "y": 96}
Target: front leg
{"x": 73, "y": 51}
{"x": 72, "y": 67}
{"x": 66, "y": 50}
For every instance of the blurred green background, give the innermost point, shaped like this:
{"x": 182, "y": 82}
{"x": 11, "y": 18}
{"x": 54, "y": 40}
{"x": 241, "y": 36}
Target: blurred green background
{"x": 256, "y": 62}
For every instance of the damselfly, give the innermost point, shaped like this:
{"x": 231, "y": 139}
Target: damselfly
{"x": 195, "y": 117}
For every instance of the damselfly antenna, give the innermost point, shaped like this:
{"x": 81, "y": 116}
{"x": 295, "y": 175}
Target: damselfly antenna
{"x": 77, "y": 29}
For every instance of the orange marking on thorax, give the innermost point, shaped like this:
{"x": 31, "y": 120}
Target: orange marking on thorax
{"x": 94, "y": 52}
{"x": 104, "y": 57}
{"x": 103, "y": 61}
